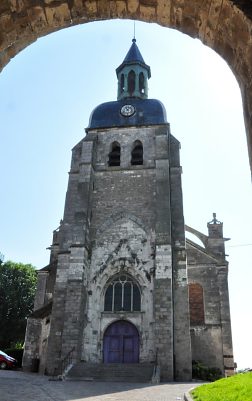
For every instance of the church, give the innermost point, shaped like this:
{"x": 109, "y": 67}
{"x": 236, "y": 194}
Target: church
{"x": 125, "y": 293}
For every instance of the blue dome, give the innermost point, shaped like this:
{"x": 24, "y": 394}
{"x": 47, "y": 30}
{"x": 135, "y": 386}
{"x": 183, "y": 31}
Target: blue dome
{"x": 145, "y": 112}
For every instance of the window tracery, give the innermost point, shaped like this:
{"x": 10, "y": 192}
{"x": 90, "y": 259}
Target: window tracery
{"x": 122, "y": 294}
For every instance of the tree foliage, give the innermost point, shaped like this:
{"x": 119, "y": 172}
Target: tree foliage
{"x": 17, "y": 290}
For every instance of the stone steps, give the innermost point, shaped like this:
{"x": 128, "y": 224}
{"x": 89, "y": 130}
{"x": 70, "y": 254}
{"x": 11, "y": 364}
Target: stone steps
{"x": 112, "y": 372}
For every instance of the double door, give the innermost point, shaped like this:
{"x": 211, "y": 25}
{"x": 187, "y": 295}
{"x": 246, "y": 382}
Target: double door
{"x": 121, "y": 343}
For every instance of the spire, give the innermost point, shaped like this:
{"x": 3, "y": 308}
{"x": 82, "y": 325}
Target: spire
{"x": 133, "y": 75}
{"x": 134, "y": 55}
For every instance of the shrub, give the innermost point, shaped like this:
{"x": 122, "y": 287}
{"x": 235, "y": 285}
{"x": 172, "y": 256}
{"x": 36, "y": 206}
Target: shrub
{"x": 203, "y": 372}
{"x": 16, "y": 353}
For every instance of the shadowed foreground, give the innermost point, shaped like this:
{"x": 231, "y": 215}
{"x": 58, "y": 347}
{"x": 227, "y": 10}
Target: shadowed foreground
{"x": 21, "y": 386}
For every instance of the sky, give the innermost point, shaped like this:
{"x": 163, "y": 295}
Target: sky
{"x": 47, "y": 93}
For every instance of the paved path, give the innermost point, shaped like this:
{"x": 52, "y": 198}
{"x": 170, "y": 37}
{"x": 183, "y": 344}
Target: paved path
{"x": 19, "y": 386}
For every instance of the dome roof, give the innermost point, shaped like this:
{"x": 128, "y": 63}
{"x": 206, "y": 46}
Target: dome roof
{"x": 143, "y": 112}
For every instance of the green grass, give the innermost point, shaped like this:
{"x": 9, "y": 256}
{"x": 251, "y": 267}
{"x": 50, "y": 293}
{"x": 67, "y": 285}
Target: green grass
{"x": 235, "y": 388}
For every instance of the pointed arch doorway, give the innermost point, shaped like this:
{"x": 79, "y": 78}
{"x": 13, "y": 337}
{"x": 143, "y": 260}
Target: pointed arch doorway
{"x": 121, "y": 343}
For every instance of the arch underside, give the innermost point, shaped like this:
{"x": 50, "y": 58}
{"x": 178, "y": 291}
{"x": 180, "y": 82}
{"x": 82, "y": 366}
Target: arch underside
{"x": 223, "y": 25}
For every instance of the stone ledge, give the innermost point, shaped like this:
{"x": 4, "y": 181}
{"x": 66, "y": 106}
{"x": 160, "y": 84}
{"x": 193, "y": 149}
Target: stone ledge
{"x": 187, "y": 396}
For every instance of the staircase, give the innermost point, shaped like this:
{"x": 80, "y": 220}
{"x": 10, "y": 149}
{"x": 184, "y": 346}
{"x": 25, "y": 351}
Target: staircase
{"x": 111, "y": 372}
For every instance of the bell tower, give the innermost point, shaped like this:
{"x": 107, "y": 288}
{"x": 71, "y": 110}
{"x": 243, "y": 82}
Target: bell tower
{"x": 119, "y": 261}
{"x": 116, "y": 288}
{"x": 133, "y": 75}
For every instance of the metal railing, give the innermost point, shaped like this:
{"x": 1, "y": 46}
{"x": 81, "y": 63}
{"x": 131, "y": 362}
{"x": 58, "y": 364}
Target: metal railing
{"x": 156, "y": 371}
{"x": 66, "y": 362}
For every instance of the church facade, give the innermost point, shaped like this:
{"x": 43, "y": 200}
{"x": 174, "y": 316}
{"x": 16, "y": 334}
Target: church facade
{"x": 123, "y": 285}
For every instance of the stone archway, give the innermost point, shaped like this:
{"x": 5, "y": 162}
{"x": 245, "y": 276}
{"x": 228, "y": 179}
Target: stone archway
{"x": 223, "y": 25}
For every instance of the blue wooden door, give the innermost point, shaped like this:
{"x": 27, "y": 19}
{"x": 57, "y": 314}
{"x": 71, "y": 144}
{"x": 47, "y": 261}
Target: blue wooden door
{"x": 121, "y": 343}
{"x": 114, "y": 349}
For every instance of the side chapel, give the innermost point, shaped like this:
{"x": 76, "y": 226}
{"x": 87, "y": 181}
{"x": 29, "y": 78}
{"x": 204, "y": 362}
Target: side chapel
{"x": 123, "y": 285}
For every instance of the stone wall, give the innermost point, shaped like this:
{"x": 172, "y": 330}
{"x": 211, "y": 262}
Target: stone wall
{"x": 32, "y": 342}
{"x": 211, "y": 333}
{"x": 207, "y": 335}
{"x": 182, "y": 343}
{"x": 205, "y": 339}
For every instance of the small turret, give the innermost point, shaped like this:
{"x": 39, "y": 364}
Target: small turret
{"x": 216, "y": 241}
{"x": 133, "y": 75}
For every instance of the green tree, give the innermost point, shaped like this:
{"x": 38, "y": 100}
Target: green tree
{"x": 17, "y": 290}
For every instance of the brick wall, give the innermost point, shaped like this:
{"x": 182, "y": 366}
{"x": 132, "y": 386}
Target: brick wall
{"x": 196, "y": 303}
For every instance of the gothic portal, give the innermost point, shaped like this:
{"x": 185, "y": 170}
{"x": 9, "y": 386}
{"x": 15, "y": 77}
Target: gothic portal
{"x": 123, "y": 286}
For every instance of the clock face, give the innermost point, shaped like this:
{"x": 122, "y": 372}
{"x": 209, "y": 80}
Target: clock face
{"x": 127, "y": 110}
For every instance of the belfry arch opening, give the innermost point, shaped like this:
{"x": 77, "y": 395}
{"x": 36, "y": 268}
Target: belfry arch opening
{"x": 137, "y": 154}
{"x": 122, "y": 86}
{"x": 141, "y": 83}
{"x": 131, "y": 82}
{"x": 114, "y": 155}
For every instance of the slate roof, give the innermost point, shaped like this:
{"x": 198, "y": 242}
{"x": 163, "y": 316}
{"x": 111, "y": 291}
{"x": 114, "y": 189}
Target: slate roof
{"x": 147, "y": 112}
{"x": 133, "y": 57}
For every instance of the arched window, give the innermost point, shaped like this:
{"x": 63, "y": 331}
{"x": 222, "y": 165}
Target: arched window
{"x": 115, "y": 155}
{"x": 196, "y": 304}
{"x": 141, "y": 83}
{"x": 137, "y": 154}
{"x": 131, "y": 82}
{"x": 122, "y": 84}
{"x": 122, "y": 294}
